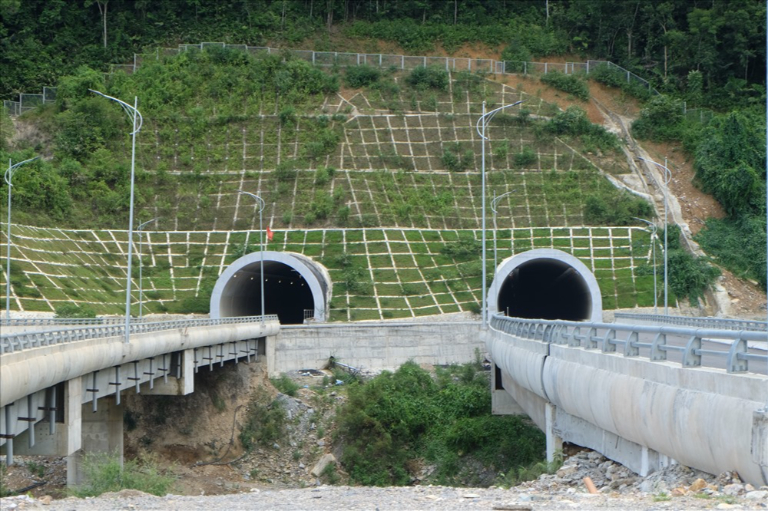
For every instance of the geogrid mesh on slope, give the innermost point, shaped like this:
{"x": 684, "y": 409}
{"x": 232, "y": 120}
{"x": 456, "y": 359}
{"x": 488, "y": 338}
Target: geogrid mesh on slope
{"x": 404, "y": 272}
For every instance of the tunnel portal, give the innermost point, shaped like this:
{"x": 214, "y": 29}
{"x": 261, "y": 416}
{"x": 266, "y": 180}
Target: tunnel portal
{"x": 545, "y": 284}
{"x": 295, "y": 288}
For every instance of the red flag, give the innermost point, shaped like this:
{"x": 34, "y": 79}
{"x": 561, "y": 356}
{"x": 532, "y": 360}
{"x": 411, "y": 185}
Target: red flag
{"x": 270, "y": 234}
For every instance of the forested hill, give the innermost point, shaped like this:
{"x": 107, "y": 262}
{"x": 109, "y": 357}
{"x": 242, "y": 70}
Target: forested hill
{"x": 664, "y": 41}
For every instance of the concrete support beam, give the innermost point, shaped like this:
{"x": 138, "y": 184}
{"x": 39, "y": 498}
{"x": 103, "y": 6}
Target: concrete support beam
{"x": 102, "y": 433}
{"x": 181, "y": 386}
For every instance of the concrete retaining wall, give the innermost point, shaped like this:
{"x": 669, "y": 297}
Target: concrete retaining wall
{"x": 374, "y": 346}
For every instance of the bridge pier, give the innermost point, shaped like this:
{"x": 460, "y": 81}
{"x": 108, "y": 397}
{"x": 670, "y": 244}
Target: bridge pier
{"x": 102, "y": 433}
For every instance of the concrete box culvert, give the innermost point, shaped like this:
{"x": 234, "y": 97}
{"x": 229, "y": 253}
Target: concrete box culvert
{"x": 293, "y": 285}
{"x": 545, "y": 284}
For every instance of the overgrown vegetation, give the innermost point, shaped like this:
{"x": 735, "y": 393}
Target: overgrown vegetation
{"x": 265, "y": 421}
{"x": 572, "y": 84}
{"x": 71, "y": 310}
{"x": 103, "y": 473}
{"x": 396, "y": 419}
{"x": 689, "y": 276}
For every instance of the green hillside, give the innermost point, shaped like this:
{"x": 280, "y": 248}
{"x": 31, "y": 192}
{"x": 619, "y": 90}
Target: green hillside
{"x": 376, "y": 180}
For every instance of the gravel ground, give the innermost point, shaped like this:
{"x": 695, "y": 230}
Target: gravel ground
{"x": 381, "y": 499}
{"x": 616, "y": 488}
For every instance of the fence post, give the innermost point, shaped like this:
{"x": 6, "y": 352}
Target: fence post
{"x": 402, "y": 62}
{"x": 587, "y": 67}
{"x": 627, "y": 76}
{"x": 545, "y": 67}
{"x": 446, "y": 64}
{"x": 425, "y": 61}
{"x": 313, "y": 57}
{"x": 525, "y": 68}
{"x": 380, "y": 59}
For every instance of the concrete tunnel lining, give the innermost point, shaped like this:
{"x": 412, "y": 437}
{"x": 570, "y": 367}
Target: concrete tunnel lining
{"x": 551, "y": 283}
{"x": 233, "y": 297}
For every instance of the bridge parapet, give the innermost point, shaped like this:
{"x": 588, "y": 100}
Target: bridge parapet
{"x": 587, "y": 383}
{"x": 35, "y": 339}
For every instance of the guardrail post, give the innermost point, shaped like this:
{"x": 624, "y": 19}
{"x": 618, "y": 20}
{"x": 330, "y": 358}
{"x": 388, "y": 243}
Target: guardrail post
{"x": 592, "y": 339}
{"x": 657, "y": 350}
{"x": 690, "y": 357}
{"x": 574, "y": 341}
{"x": 630, "y": 350}
{"x": 734, "y": 364}
{"x": 608, "y": 346}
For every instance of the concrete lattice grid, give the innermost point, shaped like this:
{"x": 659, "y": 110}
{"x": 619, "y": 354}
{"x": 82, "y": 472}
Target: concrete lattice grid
{"x": 390, "y": 172}
{"x": 406, "y": 272}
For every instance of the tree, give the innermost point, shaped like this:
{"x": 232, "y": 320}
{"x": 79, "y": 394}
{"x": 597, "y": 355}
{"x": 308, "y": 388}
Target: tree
{"x": 102, "y": 4}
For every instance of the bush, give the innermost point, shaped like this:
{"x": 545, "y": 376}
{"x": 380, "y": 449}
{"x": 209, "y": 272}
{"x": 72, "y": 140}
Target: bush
{"x": 361, "y": 76}
{"x": 617, "y": 78}
{"x": 737, "y": 244}
{"x": 71, "y": 310}
{"x": 285, "y": 385}
{"x": 573, "y": 121}
{"x": 661, "y": 120}
{"x": 567, "y": 83}
{"x": 397, "y": 418}
{"x": 265, "y": 421}
{"x": 525, "y": 157}
{"x": 423, "y": 78}
{"x": 618, "y": 208}
{"x": 103, "y": 473}
{"x": 689, "y": 276}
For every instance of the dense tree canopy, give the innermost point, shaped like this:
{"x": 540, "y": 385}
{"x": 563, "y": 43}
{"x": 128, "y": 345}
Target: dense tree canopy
{"x": 666, "y": 40}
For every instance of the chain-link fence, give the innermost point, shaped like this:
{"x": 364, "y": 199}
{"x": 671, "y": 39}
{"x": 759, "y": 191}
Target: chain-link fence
{"x": 28, "y": 102}
{"x": 342, "y": 59}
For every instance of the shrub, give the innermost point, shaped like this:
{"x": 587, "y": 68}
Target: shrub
{"x": 285, "y": 385}
{"x": 72, "y": 310}
{"x": 567, "y": 83}
{"x": 660, "y": 120}
{"x": 397, "y": 418}
{"x": 618, "y": 208}
{"x": 264, "y": 421}
{"x": 361, "y": 76}
{"x": 573, "y": 121}
{"x": 103, "y": 473}
{"x": 525, "y": 157}
{"x": 423, "y": 78}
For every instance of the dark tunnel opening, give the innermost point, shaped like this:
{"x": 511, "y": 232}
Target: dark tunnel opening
{"x": 545, "y": 289}
{"x": 286, "y": 293}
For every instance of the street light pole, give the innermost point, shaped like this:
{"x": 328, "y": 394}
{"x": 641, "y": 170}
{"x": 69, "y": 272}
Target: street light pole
{"x": 494, "y": 205}
{"x": 667, "y": 178}
{"x": 653, "y": 251}
{"x": 137, "y": 120}
{"x": 480, "y": 126}
{"x": 261, "y": 204}
{"x": 8, "y": 180}
{"x": 141, "y": 290}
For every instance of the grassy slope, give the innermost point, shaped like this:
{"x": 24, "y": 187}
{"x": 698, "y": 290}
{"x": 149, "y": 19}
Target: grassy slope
{"x": 389, "y": 164}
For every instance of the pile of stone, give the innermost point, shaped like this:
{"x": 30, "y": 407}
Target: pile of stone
{"x": 610, "y": 477}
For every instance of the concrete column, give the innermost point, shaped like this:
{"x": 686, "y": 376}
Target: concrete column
{"x": 102, "y": 432}
{"x": 760, "y": 441}
{"x": 554, "y": 440}
{"x": 273, "y": 371}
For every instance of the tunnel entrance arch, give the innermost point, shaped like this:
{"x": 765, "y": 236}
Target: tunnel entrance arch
{"x": 545, "y": 284}
{"x": 295, "y": 288}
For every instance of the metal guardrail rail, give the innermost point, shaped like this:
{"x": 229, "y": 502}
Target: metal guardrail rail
{"x": 698, "y": 322}
{"x": 69, "y": 321}
{"x": 603, "y": 336}
{"x": 27, "y": 340}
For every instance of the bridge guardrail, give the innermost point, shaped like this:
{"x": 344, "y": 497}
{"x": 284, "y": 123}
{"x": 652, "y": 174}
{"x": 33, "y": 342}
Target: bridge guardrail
{"x": 26, "y": 340}
{"x": 69, "y": 321}
{"x": 603, "y": 336}
{"x": 699, "y": 322}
